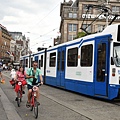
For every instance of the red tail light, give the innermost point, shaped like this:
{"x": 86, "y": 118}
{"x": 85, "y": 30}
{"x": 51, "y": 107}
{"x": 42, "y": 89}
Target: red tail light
{"x": 113, "y": 71}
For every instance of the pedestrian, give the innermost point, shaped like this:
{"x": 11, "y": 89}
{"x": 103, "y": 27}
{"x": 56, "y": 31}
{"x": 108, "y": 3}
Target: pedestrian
{"x": 1, "y": 76}
{"x": 34, "y": 77}
{"x": 13, "y": 75}
{"x": 20, "y": 76}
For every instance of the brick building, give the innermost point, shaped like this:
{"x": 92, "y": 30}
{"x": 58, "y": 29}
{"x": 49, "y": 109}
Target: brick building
{"x": 5, "y": 39}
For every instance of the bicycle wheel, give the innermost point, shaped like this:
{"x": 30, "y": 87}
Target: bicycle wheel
{"x": 31, "y": 101}
{"x": 35, "y": 109}
{"x": 19, "y": 99}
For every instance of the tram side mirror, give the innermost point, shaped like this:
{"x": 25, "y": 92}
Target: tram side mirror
{"x": 112, "y": 61}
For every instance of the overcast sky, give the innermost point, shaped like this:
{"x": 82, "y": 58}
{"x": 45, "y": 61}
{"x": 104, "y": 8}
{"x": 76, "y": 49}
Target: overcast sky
{"x": 37, "y": 19}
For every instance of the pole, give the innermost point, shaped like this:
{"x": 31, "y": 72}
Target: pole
{"x": 107, "y": 16}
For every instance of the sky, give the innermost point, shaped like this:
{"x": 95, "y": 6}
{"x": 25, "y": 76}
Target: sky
{"x": 38, "y": 20}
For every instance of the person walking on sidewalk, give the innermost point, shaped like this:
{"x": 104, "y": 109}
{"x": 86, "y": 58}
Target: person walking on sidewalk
{"x": 1, "y": 76}
{"x": 34, "y": 76}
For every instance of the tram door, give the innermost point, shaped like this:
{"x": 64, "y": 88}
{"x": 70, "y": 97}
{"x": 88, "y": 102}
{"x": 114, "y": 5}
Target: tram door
{"x": 61, "y": 67}
{"x": 101, "y": 68}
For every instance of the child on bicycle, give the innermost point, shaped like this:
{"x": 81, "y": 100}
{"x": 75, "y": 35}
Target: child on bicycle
{"x": 13, "y": 75}
{"x": 20, "y": 76}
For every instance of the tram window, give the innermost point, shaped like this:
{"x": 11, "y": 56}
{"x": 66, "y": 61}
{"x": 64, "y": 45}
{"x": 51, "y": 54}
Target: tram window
{"x": 86, "y": 55}
{"x": 31, "y": 61}
{"x": 39, "y": 64}
{"x": 101, "y": 62}
{"x": 41, "y": 60}
{"x": 72, "y": 57}
{"x": 61, "y": 67}
{"x": 118, "y": 34}
{"x": 58, "y": 66}
{"x": 63, "y": 60}
{"x": 26, "y": 63}
{"x": 21, "y": 62}
{"x": 52, "y": 62}
{"x": 116, "y": 54}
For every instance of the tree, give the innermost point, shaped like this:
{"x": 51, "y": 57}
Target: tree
{"x": 80, "y": 34}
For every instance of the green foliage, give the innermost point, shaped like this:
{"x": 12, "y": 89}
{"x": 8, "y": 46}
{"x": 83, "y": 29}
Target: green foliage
{"x": 80, "y": 34}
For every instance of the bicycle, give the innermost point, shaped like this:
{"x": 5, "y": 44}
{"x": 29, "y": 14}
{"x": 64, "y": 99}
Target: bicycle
{"x": 33, "y": 101}
{"x": 19, "y": 93}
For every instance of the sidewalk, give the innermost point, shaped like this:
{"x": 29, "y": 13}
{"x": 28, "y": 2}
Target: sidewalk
{"x": 2, "y": 111}
{"x": 7, "y": 109}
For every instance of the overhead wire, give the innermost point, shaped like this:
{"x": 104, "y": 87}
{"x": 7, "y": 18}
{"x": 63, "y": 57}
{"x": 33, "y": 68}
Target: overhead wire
{"x": 45, "y": 16}
{"x": 43, "y": 19}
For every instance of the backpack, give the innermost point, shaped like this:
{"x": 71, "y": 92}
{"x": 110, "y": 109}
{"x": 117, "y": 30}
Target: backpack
{"x": 34, "y": 79}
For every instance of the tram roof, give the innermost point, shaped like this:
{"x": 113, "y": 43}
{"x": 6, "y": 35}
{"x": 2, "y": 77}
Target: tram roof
{"x": 111, "y": 29}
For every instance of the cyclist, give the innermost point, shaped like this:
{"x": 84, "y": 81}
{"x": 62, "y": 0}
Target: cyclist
{"x": 20, "y": 76}
{"x": 34, "y": 76}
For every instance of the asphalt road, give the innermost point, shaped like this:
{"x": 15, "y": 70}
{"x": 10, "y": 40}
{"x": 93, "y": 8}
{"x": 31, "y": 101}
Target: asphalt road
{"x": 58, "y": 104}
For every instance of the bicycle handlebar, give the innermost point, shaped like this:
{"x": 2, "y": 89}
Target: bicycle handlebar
{"x": 39, "y": 84}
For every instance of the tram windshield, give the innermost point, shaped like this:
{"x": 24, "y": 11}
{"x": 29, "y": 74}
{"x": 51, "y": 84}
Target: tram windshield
{"x": 116, "y": 55}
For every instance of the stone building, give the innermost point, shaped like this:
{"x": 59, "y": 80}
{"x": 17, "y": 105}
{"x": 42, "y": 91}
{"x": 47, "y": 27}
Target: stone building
{"x": 73, "y": 14}
{"x": 22, "y": 45}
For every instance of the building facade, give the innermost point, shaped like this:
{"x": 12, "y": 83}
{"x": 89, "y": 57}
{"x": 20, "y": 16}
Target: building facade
{"x": 22, "y": 45}
{"x": 73, "y": 15}
{"x": 5, "y": 39}
{"x": 12, "y": 49}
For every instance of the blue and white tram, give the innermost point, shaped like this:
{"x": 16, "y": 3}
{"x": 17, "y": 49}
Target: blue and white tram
{"x": 88, "y": 65}
{"x": 40, "y": 57}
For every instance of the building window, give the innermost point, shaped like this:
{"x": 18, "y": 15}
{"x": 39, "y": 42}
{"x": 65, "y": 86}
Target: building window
{"x": 116, "y": 9}
{"x": 86, "y": 55}
{"x": 52, "y": 59}
{"x": 72, "y": 57}
{"x": 72, "y": 27}
{"x": 89, "y": 29}
{"x": 72, "y": 15}
{"x": 85, "y": 9}
{"x": 100, "y": 28}
{"x": 71, "y": 37}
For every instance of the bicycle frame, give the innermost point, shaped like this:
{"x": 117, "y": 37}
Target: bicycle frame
{"x": 33, "y": 96}
{"x": 33, "y": 101}
{"x": 19, "y": 93}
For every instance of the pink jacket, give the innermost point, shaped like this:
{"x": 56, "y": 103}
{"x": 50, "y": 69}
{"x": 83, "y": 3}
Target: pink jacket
{"x": 20, "y": 76}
